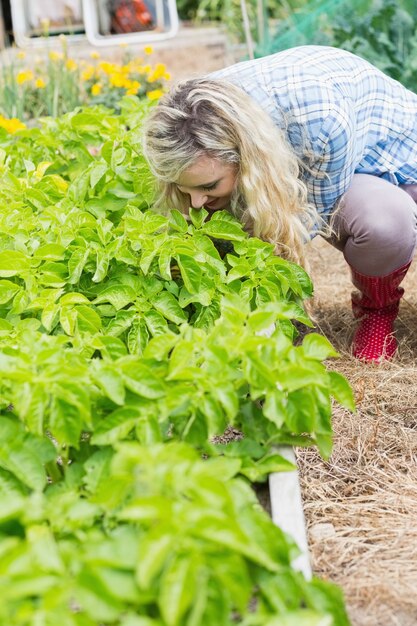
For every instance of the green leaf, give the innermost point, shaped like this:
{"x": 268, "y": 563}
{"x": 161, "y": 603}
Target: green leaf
{"x": 191, "y": 272}
{"x": 301, "y": 618}
{"x": 32, "y": 406}
{"x": 110, "y": 382}
{"x": 102, "y": 266}
{"x": 181, "y": 358}
{"x": 164, "y": 263}
{"x": 166, "y": 304}
{"x": 7, "y": 290}
{"x": 118, "y": 295}
{"x": 5, "y": 328}
{"x": 222, "y": 229}
{"x": 68, "y": 319}
{"x": 50, "y": 252}
{"x": 292, "y": 377}
{"x": 342, "y": 391}
{"x": 24, "y": 455}
{"x": 13, "y": 262}
{"x": 112, "y": 347}
{"x": 197, "y": 216}
{"x": 228, "y": 398}
{"x": 136, "y": 620}
{"x": 176, "y": 590}
{"x": 156, "y": 323}
{"x": 73, "y": 298}
{"x": 214, "y": 414}
{"x": 49, "y": 316}
{"x": 301, "y": 411}
{"x": 95, "y": 598}
{"x": 318, "y": 347}
{"x": 324, "y": 443}
{"x": 115, "y": 426}
{"x": 257, "y": 471}
{"x": 66, "y": 422}
{"x": 141, "y": 379}
{"x": 155, "y": 547}
{"x": 260, "y": 321}
{"x": 87, "y": 319}
{"x": 150, "y": 222}
{"x": 274, "y": 407}
{"x": 138, "y": 337}
{"x": 97, "y": 172}
{"x": 45, "y": 549}
{"x": 97, "y": 469}
{"x": 76, "y": 264}
{"x": 177, "y": 221}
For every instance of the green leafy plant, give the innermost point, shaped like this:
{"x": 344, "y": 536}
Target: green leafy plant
{"x": 147, "y": 536}
{"x": 128, "y": 341}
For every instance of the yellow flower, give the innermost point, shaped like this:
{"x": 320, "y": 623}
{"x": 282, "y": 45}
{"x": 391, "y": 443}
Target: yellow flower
{"x": 21, "y": 55}
{"x": 96, "y": 89}
{"x": 148, "y": 50}
{"x": 107, "y": 68}
{"x": 167, "y": 76}
{"x": 24, "y": 77}
{"x": 88, "y": 73}
{"x": 40, "y": 83}
{"x": 71, "y": 65}
{"x": 118, "y": 81}
{"x": 56, "y": 56}
{"x": 158, "y": 73}
{"x": 155, "y": 94}
{"x": 133, "y": 88}
{"x": 94, "y": 54}
{"x": 11, "y": 125}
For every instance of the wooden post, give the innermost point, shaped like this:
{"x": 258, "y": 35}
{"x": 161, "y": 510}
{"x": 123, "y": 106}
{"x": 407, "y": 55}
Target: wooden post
{"x": 246, "y": 26}
{"x": 2, "y": 29}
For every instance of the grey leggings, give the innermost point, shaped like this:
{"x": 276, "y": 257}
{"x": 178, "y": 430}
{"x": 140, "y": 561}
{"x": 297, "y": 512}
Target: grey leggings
{"x": 375, "y": 225}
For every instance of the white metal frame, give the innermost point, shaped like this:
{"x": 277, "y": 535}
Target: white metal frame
{"x": 162, "y": 32}
{"x": 165, "y": 28}
{"x": 21, "y": 28}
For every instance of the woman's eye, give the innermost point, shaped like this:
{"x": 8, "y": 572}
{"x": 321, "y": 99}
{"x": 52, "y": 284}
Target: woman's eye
{"x": 210, "y": 188}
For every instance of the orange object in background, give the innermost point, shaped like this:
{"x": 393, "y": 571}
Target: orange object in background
{"x": 130, "y": 16}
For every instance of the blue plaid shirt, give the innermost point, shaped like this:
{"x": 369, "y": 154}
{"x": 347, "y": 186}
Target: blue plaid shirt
{"x": 350, "y": 116}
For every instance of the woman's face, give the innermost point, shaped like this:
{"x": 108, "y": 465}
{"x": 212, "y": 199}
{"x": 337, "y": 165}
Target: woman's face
{"x": 209, "y": 183}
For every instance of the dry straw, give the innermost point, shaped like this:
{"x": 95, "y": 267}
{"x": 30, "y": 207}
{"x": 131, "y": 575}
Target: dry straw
{"x": 361, "y": 505}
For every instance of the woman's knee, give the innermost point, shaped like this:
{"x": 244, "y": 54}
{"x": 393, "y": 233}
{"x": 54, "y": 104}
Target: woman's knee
{"x": 377, "y": 213}
{"x": 379, "y": 223}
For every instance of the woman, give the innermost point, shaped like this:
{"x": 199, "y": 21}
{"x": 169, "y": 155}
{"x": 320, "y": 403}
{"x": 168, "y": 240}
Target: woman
{"x": 309, "y": 140}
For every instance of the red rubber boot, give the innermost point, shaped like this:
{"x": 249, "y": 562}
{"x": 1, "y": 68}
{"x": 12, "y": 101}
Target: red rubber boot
{"x": 376, "y": 308}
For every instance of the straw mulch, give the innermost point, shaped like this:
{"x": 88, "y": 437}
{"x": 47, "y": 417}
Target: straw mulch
{"x": 361, "y": 505}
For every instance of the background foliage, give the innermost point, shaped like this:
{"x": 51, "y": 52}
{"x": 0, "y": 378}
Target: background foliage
{"x": 382, "y": 31}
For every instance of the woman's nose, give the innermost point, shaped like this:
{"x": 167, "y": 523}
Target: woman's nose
{"x": 198, "y": 199}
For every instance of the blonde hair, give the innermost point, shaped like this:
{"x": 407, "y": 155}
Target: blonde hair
{"x": 206, "y": 117}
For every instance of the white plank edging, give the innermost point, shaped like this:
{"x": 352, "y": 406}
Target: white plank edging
{"x": 287, "y": 509}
